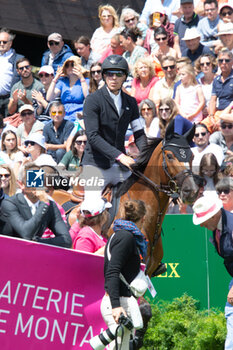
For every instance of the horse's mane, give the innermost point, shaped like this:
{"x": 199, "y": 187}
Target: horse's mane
{"x": 146, "y": 154}
{"x": 140, "y": 165}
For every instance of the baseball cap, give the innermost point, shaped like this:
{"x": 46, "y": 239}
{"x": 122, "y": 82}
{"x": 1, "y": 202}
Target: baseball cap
{"x": 55, "y": 37}
{"x": 26, "y": 107}
{"x": 46, "y": 69}
{"x": 94, "y": 207}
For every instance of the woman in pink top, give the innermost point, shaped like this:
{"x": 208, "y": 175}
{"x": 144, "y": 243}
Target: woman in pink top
{"x": 144, "y": 79}
{"x": 86, "y": 233}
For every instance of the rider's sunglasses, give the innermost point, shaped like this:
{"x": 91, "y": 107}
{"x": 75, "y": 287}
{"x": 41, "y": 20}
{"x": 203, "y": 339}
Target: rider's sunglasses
{"x": 117, "y": 73}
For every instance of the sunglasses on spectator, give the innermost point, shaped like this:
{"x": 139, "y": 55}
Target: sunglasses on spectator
{"x": 23, "y": 114}
{"x": 130, "y": 20}
{"x": 80, "y": 142}
{"x": 41, "y": 75}
{"x": 224, "y": 14}
{"x": 69, "y": 64}
{"x": 146, "y": 109}
{"x": 56, "y": 43}
{"x": 3, "y": 42}
{"x": 200, "y": 133}
{"x": 226, "y": 191}
{"x": 171, "y": 67}
{"x": 114, "y": 72}
{"x": 24, "y": 67}
{"x": 93, "y": 72}
{"x": 164, "y": 109}
{"x": 226, "y": 60}
{"x": 161, "y": 39}
{"x": 106, "y": 16}
{"x": 205, "y": 63}
{"x": 224, "y": 126}
{"x": 53, "y": 113}
{"x": 27, "y": 143}
{"x": 5, "y": 175}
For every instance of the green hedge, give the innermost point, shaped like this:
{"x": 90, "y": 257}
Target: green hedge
{"x": 181, "y": 325}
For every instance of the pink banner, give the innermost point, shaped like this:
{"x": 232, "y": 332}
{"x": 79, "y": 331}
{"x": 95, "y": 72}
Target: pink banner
{"x": 49, "y": 296}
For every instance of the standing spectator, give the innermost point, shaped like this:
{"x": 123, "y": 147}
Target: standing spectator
{"x": 96, "y": 79}
{"x": 207, "y": 65}
{"x": 29, "y": 213}
{"x": 21, "y": 92}
{"x": 8, "y": 72}
{"x": 222, "y": 92}
{"x": 194, "y": 48}
{"x": 203, "y": 146}
{"x": 208, "y": 213}
{"x": 128, "y": 40}
{"x": 83, "y": 48}
{"x": 46, "y": 75}
{"x": 57, "y": 131}
{"x": 72, "y": 159}
{"x": 190, "y": 90}
{"x": 144, "y": 78}
{"x": 57, "y": 53}
{"x": 188, "y": 20}
{"x": 165, "y": 86}
{"x": 29, "y": 126}
{"x": 114, "y": 48}
{"x": 71, "y": 86}
{"x": 224, "y": 137}
{"x": 207, "y": 26}
{"x": 109, "y": 26}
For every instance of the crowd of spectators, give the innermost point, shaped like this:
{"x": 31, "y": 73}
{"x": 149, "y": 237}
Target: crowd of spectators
{"x": 180, "y": 57}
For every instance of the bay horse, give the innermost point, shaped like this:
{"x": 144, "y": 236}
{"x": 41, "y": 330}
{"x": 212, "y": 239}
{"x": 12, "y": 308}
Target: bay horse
{"x": 167, "y": 173}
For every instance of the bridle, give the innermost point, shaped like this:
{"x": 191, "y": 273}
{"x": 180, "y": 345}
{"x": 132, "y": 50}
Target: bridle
{"x": 172, "y": 189}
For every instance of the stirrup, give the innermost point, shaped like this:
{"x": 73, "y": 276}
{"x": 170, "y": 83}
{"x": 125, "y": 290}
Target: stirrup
{"x": 160, "y": 270}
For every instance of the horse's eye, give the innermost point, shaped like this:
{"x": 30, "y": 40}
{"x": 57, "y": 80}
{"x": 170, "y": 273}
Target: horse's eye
{"x": 170, "y": 156}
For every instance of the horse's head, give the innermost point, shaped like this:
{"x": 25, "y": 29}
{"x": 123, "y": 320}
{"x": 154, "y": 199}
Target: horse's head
{"x": 177, "y": 157}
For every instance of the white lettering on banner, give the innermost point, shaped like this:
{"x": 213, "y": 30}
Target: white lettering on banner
{"x": 20, "y": 323}
{"x": 37, "y": 328}
{"x": 38, "y": 297}
{"x": 3, "y": 321}
{"x": 77, "y": 325}
{"x": 76, "y": 304}
{"x": 55, "y": 301}
{"x": 27, "y": 291}
{"x": 56, "y": 326}
{"x": 8, "y": 295}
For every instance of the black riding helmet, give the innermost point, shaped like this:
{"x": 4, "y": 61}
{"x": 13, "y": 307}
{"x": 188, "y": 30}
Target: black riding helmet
{"x": 115, "y": 62}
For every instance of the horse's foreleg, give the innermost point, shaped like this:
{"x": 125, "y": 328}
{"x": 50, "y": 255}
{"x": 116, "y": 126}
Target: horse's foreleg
{"x": 155, "y": 257}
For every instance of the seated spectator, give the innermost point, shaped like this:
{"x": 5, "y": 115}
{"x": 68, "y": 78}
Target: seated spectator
{"x": 207, "y": 26}
{"x": 203, "y": 146}
{"x": 57, "y": 131}
{"x": 71, "y": 160}
{"x": 206, "y": 64}
{"x": 96, "y": 79}
{"x": 227, "y": 166}
{"x": 114, "y": 48}
{"x": 165, "y": 86}
{"x": 29, "y": 126}
{"x": 224, "y": 188}
{"x": 21, "y": 92}
{"x": 168, "y": 111}
{"x": 57, "y": 53}
{"x": 209, "y": 170}
{"x": 226, "y": 12}
{"x": 158, "y": 19}
{"x": 129, "y": 19}
{"x": 10, "y": 146}
{"x": 194, "y": 48}
{"x": 29, "y": 213}
{"x": 71, "y": 86}
{"x": 144, "y": 78}
{"x": 35, "y": 146}
{"x": 128, "y": 39}
{"x": 46, "y": 75}
{"x": 162, "y": 49}
{"x": 109, "y": 24}
{"x": 86, "y": 232}
{"x": 8, "y": 180}
{"x": 189, "y": 90}
{"x": 83, "y": 48}
{"x": 224, "y": 137}
{"x": 225, "y": 33}
{"x": 147, "y": 110}
{"x": 222, "y": 92}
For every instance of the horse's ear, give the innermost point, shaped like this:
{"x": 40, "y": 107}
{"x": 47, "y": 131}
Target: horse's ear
{"x": 190, "y": 133}
{"x": 170, "y": 130}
